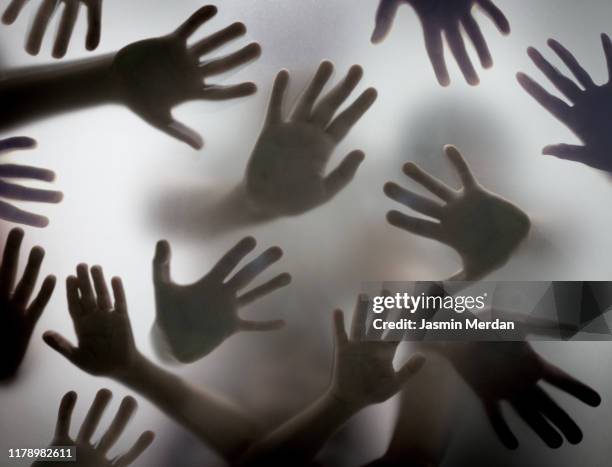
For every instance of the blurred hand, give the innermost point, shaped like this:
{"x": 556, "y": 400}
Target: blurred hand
{"x": 69, "y": 17}
{"x": 19, "y": 315}
{"x": 286, "y": 173}
{"x": 511, "y": 371}
{"x": 448, "y": 17}
{"x": 363, "y": 371}
{"x": 195, "y": 319}
{"x": 105, "y": 341}
{"x": 9, "y": 190}
{"x": 588, "y": 116}
{"x": 155, "y": 75}
{"x": 482, "y": 227}
{"x": 88, "y": 453}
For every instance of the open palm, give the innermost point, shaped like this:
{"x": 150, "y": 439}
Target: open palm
{"x": 482, "y": 227}
{"x": 588, "y": 116}
{"x": 105, "y": 341}
{"x": 446, "y": 17}
{"x": 286, "y": 172}
{"x": 88, "y": 453}
{"x": 155, "y": 75}
{"x": 500, "y": 371}
{"x": 196, "y": 318}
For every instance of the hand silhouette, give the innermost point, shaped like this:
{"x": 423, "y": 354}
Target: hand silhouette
{"x": 448, "y": 17}
{"x": 363, "y": 371}
{"x": 105, "y": 342}
{"x": 8, "y": 190}
{"x": 106, "y": 347}
{"x": 588, "y": 116}
{"x": 195, "y": 319}
{"x": 18, "y": 315}
{"x": 89, "y": 454}
{"x": 286, "y": 173}
{"x": 362, "y": 375}
{"x": 154, "y": 75}
{"x": 69, "y": 17}
{"x": 483, "y": 228}
{"x": 511, "y": 371}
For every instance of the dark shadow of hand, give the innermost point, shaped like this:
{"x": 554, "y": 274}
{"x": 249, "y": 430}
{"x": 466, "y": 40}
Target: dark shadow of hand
{"x": 66, "y": 26}
{"x": 286, "y": 171}
{"x": 363, "y": 372}
{"x": 482, "y": 227}
{"x": 18, "y": 315}
{"x": 195, "y": 319}
{"x": 9, "y": 190}
{"x": 95, "y": 454}
{"x": 588, "y": 116}
{"x": 105, "y": 341}
{"x": 155, "y": 75}
{"x": 500, "y": 371}
{"x": 446, "y": 17}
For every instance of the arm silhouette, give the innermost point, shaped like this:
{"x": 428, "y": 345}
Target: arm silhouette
{"x": 70, "y": 14}
{"x": 106, "y": 347}
{"x": 483, "y": 228}
{"x": 19, "y": 313}
{"x": 150, "y": 77}
{"x": 362, "y": 375}
{"x": 13, "y": 191}
{"x": 587, "y": 116}
{"x": 446, "y": 18}
{"x": 88, "y": 453}
{"x": 192, "y": 320}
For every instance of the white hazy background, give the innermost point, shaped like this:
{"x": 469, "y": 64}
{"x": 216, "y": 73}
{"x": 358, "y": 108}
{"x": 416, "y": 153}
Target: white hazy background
{"x": 119, "y": 176}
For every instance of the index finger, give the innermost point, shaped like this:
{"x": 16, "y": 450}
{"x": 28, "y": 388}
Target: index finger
{"x": 461, "y": 166}
{"x": 360, "y": 318}
{"x": 554, "y": 105}
{"x": 559, "y": 378}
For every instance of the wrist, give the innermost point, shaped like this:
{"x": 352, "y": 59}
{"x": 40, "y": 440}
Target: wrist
{"x": 88, "y": 82}
{"x": 238, "y": 208}
{"x": 249, "y": 204}
{"x": 132, "y": 370}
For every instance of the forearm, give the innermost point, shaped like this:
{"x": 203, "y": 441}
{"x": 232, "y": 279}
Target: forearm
{"x": 32, "y": 93}
{"x": 301, "y": 438}
{"x": 214, "y": 421}
{"x": 422, "y": 427}
{"x": 226, "y": 211}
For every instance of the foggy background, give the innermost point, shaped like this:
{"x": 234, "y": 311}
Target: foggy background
{"x": 127, "y": 185}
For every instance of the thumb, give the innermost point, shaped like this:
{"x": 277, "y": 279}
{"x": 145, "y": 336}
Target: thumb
{"x": 185, "y": 134}
{"x": 62, "y": 345}
{"x": 166, "y": 123}
{"x": 342, "y": 175}
{"x": 161, "y": 262}
{"x": 566, "y": 151}
{"x": 387, "y": 10}
{"x": 410, "y": 368}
